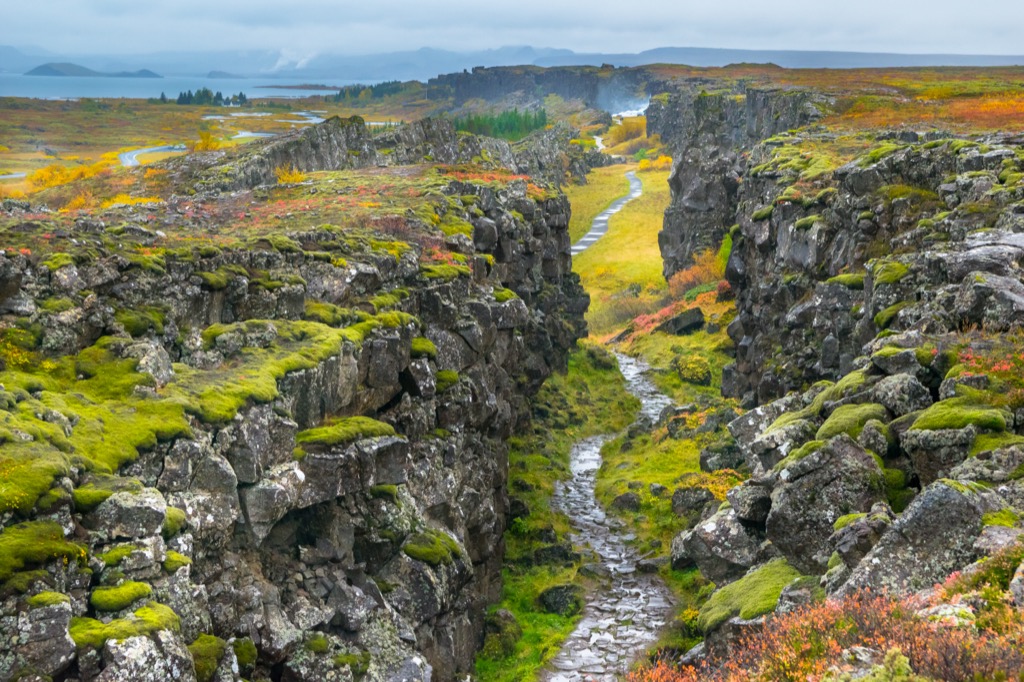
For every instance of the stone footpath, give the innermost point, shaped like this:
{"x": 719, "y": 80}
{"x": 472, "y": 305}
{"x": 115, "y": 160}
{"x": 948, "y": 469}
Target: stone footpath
{"x": 621, "y": 621}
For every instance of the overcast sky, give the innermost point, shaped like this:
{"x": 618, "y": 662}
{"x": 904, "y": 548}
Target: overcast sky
{"x": 306, "y": 27}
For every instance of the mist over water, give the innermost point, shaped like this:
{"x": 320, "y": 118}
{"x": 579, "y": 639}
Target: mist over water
{"x": 77, "y": 87}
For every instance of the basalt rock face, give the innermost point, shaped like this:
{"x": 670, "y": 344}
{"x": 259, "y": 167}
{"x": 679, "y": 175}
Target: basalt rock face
{"x": 374, "y": 552}
{"x": 708, "y": 134}
{"x": 879, "y": 299}
{"x": 604, "y": 88}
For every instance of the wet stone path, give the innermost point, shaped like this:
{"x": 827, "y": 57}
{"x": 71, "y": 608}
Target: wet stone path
{"x": 623, "y": 618}
{"x": 599, "y": 226}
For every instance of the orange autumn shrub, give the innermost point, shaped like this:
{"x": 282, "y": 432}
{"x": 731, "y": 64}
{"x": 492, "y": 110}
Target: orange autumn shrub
{"x": 707, "y": 268}
{"x": 804, "y": 645}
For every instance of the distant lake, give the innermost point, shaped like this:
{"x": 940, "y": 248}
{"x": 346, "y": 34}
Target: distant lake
{"x": 76, "y": 87}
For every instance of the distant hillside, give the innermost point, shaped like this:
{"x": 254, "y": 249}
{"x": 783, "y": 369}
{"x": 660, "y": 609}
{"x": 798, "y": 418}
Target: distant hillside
{"x": 223, "y": 74}
{"x": 67, "y": 69}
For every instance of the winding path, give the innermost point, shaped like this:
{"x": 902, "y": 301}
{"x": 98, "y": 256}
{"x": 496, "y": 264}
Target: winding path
{"x": 131, "y": 158}
{"x": 623, "y": 619}
{"x": 600, "y": 225}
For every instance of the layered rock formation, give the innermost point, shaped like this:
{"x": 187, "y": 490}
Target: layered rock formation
{"x": 280, "y": 460}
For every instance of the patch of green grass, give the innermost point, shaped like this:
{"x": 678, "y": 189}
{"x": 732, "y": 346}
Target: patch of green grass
{"x": 89, "y": 633}
{"x": 120, "y": 597}
{"x": 432, "y": 547}
{"x": 604, "y": 186}
{"x": 34, "y": 543}
{"x": 753, "y": 595}
{"x": 850, "y": 419}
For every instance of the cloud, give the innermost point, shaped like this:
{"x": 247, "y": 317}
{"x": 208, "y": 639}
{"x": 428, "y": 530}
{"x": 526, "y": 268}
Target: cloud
{"x": 306, "y": 27}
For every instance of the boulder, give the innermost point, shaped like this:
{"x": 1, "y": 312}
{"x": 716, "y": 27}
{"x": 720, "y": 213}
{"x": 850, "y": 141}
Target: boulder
{"x": 162, "y": 657}
{"x": 933, "y": 537}
{"x": 841, "y": 478}
{"x": 690, "y": 501}
{"x": 752, "y": 501}
{"x": 129, "y": 515}
{"x": 902, "y": 394}
{"x": 564, "y": 600}
{"x": 721, "y": 547}
{"x": 627, "y": 502}
{"x": 685, "y": 322}
{"x": 935, "y": 453}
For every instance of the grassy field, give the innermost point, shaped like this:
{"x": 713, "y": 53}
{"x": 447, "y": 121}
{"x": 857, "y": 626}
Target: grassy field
{"x": 604, "y": 185}
{"x": 622, "y": 270}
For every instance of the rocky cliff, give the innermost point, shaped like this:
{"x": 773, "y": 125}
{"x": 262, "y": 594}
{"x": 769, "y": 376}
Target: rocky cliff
{"x": 239, "y": 441}
{"x": 879, "y": 305}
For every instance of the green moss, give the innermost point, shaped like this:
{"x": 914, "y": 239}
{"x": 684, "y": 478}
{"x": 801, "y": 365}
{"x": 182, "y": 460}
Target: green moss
{"x": 432, "y": 547}
{"x": 753, "y": 595}
{"x": 446, "y": 378}
{"x": 880, "y": 152}
{"x": 763, "y": 213}
{"x": 885, "y": 317}
{"x": 206, "y": 652}
{"x": 895, "y": 479}
{"x": 57, "y": 305}
{"x": 850, "y": 419}
{"x": 245, "y": 652}
{"x": 889, "y": 272}
{"x": 114, "y": 556}
{"x": 90, "y": 633}
{"x": 358, "y": 663}
{"x": 956, "y": 413}
{"x": 344, "y": 430}
{"x": 1004, "y": 517}
{"x": 444, "y": 271}
{"x": 329, "y": 314}
{"x": 502, "y": 295}
{"x": 807, "y": 223}
{"x": 804, "y": 450}
{"x": 175, "y": 560}
{"x": 385, "y": 492}
{"x": 986, "y": 442}
{"x": 221, "y": 277}
{"x": 317, "y": 644}
{"x": 57, "y": 261}
{"x": 120, "y": 597}
{"x": 389, "y": 300}
{"x": 844, "y": 521}
{"x": 89, "y": 496}
{"x": 835, "y": 561}
{"x": 44, "y": 599}
{"x": 34, "y": 543}
{"x": 848, "y": 385}
{"x": 850, "y": 281}
{"x": 173, "y": 522}
{"x": 423, "y": 347}
{"x": 277, "y": 242}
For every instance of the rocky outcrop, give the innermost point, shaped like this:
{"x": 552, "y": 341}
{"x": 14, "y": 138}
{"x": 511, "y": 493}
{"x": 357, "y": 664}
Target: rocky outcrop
{"x": 331, "y": 500}
{"x": 708, "y": 133}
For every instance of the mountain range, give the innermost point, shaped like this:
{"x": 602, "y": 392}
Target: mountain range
{"x": 426, "y": 63}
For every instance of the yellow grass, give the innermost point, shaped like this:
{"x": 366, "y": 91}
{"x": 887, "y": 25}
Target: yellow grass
{"x": 627, "y": 255}
{"x": 604, "y": 185}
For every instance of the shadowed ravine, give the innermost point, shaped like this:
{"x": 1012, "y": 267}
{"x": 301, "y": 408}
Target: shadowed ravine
{"x": 624, "y": 616}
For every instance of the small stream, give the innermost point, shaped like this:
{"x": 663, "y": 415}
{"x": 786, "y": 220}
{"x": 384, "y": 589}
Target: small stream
{"x": 623, "y": 619}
